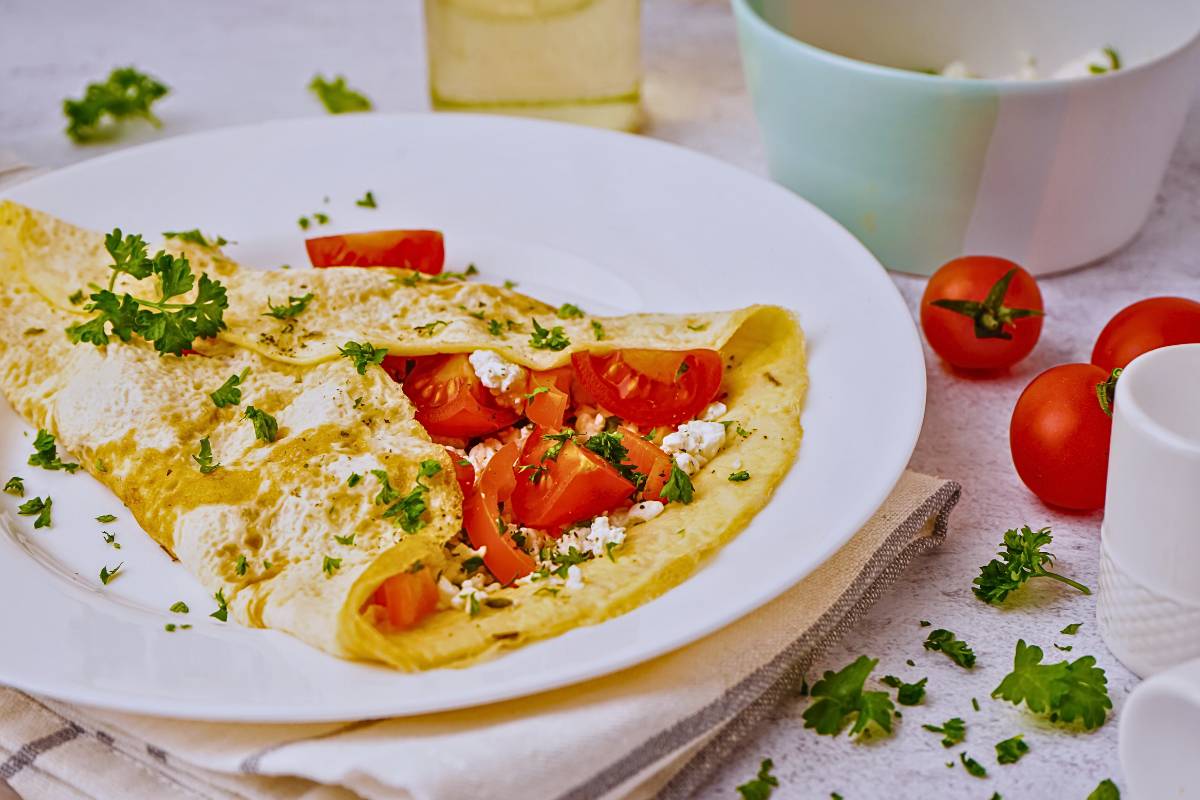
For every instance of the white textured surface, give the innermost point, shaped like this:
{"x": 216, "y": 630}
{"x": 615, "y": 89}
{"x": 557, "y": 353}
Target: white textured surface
{"x": 232, "y": 62}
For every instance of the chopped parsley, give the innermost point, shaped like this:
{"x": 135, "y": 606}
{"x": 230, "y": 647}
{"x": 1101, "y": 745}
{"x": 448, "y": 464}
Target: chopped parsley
{"x": 367, "y": 200}
{"x": 907, "y": 694}
{"x": 111, "y": 538}
{"x": 430, "y": 328}
{"x": 74, "y": 298}
{"x": 1072, "y": 629}
{"x": 495, "y": 328}
{"x": 336, "y": 96}
{"x": 303, "y": 222}
{"x": 180, "y": 607}
{"x": 222, "y": 612}
{"x": 292, "y": 309}
{"x": 559, "y": 439}
{"x": 196, "y": 237}
{"x": 1114, "y": 62}
{"x": 363, "y": 355}
{"x": 761, "y": 786}
{"x": 972, "y": 766}
{"x": 125, "y": 94}
{"x": 510, "y": 284}
{"x": 204, "y": 459}
{"x": 678, "y": 486}
{"x": 1021, "y": 559}
{"x": 348, "y": 539}
{"x": 106, "y": 574}
{"x": 229, "y": 393}
{"x": 38, "y": 508}
{"x": 1105, "y": 790}
{"x": 322, "y": 219}
{"x": 553, "y": 339}
{"x": 1010, "y": 750}
{"x": 608, "y": 446}
{"x": 15, "y": 486}
{"x": 171, "y": 326}
{"x": 598, "y": 331}
{"x": 265, "y": 426}
{"x": 331, "y": 565}
{"x": 472, "y": 564}
{"x": 408, "y": 510}
{"x": 240, "y": 566}
{"x": 697, "y": 327}
{"x": 958, "y": 651}
{"x": 106, "y": 518}
{"x": 1065, "y": 691}
{"x": 839, "y": 695}
{"x": 45, "y": 453}
{"x": 953, "y": 731}
{"x": 569, "y": 311}
{"x": 1066, "y": 648}
{"x": 740, "y": 475}
{"x": 354, "y": 480}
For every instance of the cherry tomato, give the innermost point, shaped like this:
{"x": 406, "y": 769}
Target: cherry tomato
{"x": 481, "y": 517}
{"x": 648, "y": 459}
{"x": 982, "y": 313}
{"x": 555, "y": 490}
{"x": 1144, "y": 326}
{"x": 407, "y": 598}
{"x": 1060, "y": 433}
{"x": 651, "y": 387}
{"x": 450, "y": 398}
{"x": 464, "y": 472}
{"x": 421, "y": 250}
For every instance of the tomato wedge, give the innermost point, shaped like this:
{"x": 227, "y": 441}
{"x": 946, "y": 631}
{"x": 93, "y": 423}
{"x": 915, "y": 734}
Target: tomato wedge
{"x": 451, "y": 400}
{"x": 407, "y": 598}
{"x": 422, "y": 250}
{"x": 651, "y": 387}
{"x": 648, "y": 459}
{"x": 464, "y": 471}
{"x": 549, "y": 402}
{"x": 558, "y": 489}
{"x": 481, "y": 516}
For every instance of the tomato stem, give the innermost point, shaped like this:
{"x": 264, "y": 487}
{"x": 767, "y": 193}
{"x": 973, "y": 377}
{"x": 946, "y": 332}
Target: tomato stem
{"x": 991, "y": 315}
{"x": 1106, "y": 391}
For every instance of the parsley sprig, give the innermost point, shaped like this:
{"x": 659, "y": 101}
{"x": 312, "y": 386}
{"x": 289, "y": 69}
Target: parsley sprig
{"x": 229, "y": 393}
{"x": 289, "y": 310}
{"x": 45, "y": 453}
{"x": 125, "y": 94}
{"x": 956, "y": 649}
{"x": 38, "y": 508}
{"x": 548, "y": 339}
{"x": 907, "y": 694}
{"x": 1021, "y": 559}
{"x": 839, "y": 696}
{"x": 170, "y": 326}
{"x": 407, "y": 510}
{"x": 265, "y": 426}
{"x": 678, "y": 487}
{"x": 363, "y": 355}
{"x": 1066, "y": 691}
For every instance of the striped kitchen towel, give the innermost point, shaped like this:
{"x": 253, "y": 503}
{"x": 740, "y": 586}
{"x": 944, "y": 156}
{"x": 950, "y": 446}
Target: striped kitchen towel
{"x": 625, "y": 735}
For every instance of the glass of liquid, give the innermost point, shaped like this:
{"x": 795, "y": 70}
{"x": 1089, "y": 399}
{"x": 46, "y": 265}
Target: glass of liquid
{"x": 570, "y": 60}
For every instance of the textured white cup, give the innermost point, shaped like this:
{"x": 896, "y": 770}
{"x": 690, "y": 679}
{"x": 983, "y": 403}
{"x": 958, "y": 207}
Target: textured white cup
{"x": 1159, "y": 729}
{"x": 1148, "y": 608}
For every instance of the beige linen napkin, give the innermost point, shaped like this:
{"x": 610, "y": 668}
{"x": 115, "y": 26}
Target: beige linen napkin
{"x": 626, "y": 735}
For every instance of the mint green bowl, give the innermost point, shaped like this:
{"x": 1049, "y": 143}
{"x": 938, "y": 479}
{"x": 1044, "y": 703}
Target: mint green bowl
{"x": 1050, "y": 173}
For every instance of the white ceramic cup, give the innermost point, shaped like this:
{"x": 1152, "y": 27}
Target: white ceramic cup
{"x": 1160, "y": 736}
{"x": 1148, "y": 607}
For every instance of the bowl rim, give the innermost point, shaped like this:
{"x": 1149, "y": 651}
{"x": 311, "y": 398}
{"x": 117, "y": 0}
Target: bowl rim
{"x": 754, "y": 20}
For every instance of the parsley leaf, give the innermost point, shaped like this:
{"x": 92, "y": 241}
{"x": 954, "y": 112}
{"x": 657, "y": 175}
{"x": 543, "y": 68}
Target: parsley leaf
{"x": 336, "y": 96}
{"x": 265, "y": 426}
{"x": 838, "y": 695}
{"x": 354, "y": 479}
{"x": 367, "y": 200}
{"x": 106, "y": 518}
{"x": 958, "y": 651}
{"x": 240, "y": 566}
{"x": 294, "y": 307}
{"x": 331, "y": 565}
{"x": 740, "y": 475}
{"x": 126, "y": 94}
{"x": 363, "y": 355}
{"x": 430, "y": 328}
{"x": 196, "y": 237}
{"x": 346, "y": 540}
{"x": 495, "y": 328}
{"x": 598, "y": 331}
{"x": 553, "y": 339}
{"x": 1021, "y": 559}
{"x": 1010, "y": 750}
{"x": 472, "y": 564}
{"x": 75, "y": 298}
{"x": 106, "y": 574}
{"x": 1072, "y": 629}
{"x": 204, "y": 459}
{"x": 222, "y": 612}
{"x": 408, "y": 510}
{"x": 907, "y": 694}
{"x": 678, "y": 486}
{"x": 111, "y": 538}
{"x": 972, "y": 766}
{"x": 953, "y": 731}
{"x": 569, "y": 311}
{"x": 180, "y": 607}
{"x": 15, "y": 486}
{"x": 229, "y": 393}
{"x": 1105, "y": 790}
{"x": 38, "y": 507}
{"x": 1067, "y": 691}
{"x": 46, "y": 453}
{"x": 761, "y": 786}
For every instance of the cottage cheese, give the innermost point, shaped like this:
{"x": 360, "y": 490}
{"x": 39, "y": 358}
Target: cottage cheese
{"x": 637, "y": 514}
{"x": 593, "y": 539}
{"x": 482, "y": 453}
{"x": 493, "y": 371}
{"x": 694, "y": 444}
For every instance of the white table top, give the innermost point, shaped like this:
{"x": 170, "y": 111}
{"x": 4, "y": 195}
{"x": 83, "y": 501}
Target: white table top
{"x": 231, "y": 62}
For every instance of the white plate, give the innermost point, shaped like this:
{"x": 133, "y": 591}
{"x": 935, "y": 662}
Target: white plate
{"x": 609, "y": 221}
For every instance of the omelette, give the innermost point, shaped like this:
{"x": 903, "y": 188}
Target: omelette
{"x": 416, "y": 469}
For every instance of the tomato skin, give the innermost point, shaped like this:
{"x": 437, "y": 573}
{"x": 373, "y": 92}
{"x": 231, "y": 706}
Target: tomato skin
{"x": 450, "y": 398}
{"x": 422, "y": 250}
{"x": 576, "y": 485}
{"x": 464, "y": 471}
{"x": 648, "y": 459}
{"x": 651, "y": 387}
{"x": 481, "y": 512}
{"x": 1144, "y": 326}
{"x": 547, "y": 408}
{"x": 407, "y": 598}
{"x": 952, "y": 335}
{"x": 1059, "y": 437}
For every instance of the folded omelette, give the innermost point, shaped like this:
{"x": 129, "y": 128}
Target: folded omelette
{"x": 411, "y": 469}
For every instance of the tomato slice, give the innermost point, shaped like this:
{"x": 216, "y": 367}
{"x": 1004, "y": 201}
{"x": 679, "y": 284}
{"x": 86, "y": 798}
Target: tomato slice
{"x": 651, "y": 387}
{"x": 407, "y": 598}
{"x": 451, "y": 400}
{"x": 548, "y": 406}
{"x": 481, "y": 516}
{"x": 464, "y": 471}
{"x": 648, "y": 459}
{"x": 422, "y": 250}
{"x": 574, "y": 485}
